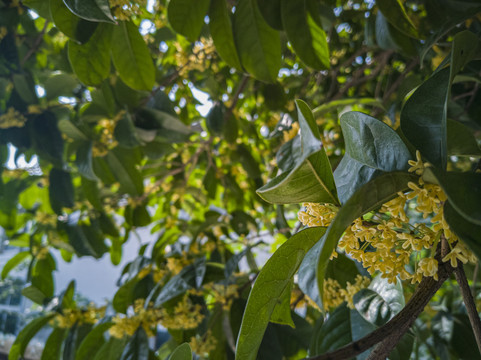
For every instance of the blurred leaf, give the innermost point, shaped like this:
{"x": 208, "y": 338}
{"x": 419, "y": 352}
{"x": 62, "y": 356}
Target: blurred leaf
{"x": 93, "y": 10}
{"x": 274, "y": 277}
{"x": 84, "y": 161}
{"x": 220, "y": 25}
{"x": 26, "y": 334}
{"x": 74, "y": 27}
{"x": 258, "y": 44}
{"x": 93, "y": 341}
{"x": 461, "y": 140}
{"x": 187, "y": 16}
{"x": 60, "y": 85}
{"x": 395, "y": 13}
{"x": 125, "y": 132}
{"x": 122, "y": 164}
{"x": 14, "y": 261}
{"x": 271, "y": 11}
{"x": 182, "y": 352}
{"x": 53, "y": 345}
{"x": 61, "y": 190}
{"x": 306, "y": 37}
{"x": 131, "y": 57}
{"x": 138, "y": 346}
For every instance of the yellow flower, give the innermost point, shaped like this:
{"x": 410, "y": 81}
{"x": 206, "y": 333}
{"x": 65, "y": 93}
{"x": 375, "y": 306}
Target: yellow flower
{"x": 416, "y": 166}
{"x": 428, "y": 267}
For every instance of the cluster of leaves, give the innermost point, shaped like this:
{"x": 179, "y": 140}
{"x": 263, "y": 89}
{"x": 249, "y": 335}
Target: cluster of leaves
{"x": 101, "y": 134}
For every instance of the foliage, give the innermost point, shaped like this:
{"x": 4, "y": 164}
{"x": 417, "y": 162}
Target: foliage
{"x": 366, "y": 111}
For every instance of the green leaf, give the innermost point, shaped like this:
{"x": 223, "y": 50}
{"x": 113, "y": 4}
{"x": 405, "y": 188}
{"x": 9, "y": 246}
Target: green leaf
{"x": 367, "y": 198}
{"x": 61, "y": 190}
{"x": 311, "y": 180}
{"x": 123, "y": 166}
{"x": 461, "y": 140}
{"x": 14, "y": 261}
{"x": 60, "y": 85}
{"x": 342, "y": 269}
{"x": 333, "y": 105}
{"x": 220, "y": 26}
{"x": 380, "y": 302}
{"x": 53, "y": 345}
{"x": 462, "y": 189}
{"x": 395, "y": 13}
{"x": 34, "y": 294}
{"x": 92, "y": 10}
{"x": 275, "y": 276}
{"x": 86, "y": 240}
{"x": 26, "y": 334}
{"x": 138, "y": 347}
{"x": 125, "y": 132}
{"x": 74, "y": 27}
{"x": 282, "y": 311}
{"x": 465, "y": 46}
{"x": 93, "y": 341}
{"x": 258, "y": 44}
{"x": 423, "y": 118}
{"x": 271, "y": 11}
{"x": 467, "y": 231}
{"x": 182, "y": 352}
{"x": 372, "y": 148}
{"x": 91, "y": 61}
{"x": 187, "y": 16}
{"x": 306, "y": 37}
{"x": 84, "y": 161}
{"x": 131, "y": 57}
{"x": 169, "y": 128}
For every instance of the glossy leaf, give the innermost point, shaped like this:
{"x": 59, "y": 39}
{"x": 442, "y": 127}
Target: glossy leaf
{"x": 26, "y": 334}
{"x": 187, "y": 16}
{"x": 372, "y": 148}
{"x": 311, "y": 179}
{"x": 367, "y": 198}
{"x": 463, "y": 191}
{"x": 182, "y": 352}
{"x": 93, "y": 10}
{"x": 306, "y": 37}
{"x": 71, "y": 25}
{"x": 138, "y": 347}
{"x": 91, "y": 61}
{"x": 380, "y": 302}
{"x": 395, "y": 13}
{"x": 131, "y": 57}
{"x": 258, "y": 44}
{"x": 268, "y": 288}
{"x": 220, "y": 26}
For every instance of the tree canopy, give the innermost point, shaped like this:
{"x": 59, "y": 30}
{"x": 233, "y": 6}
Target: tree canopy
{"x": 341, "y": 137}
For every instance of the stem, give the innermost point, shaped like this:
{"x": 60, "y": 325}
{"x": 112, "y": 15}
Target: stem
{"x": 388, "y": 335}
{"x": 469, "y": 302}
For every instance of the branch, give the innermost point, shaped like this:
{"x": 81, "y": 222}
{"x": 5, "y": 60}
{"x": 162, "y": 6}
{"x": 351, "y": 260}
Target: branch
{"x": 388, "y": 335}
{"x": 235, "y": 98}
{"x": 469, "y": 302}
{"x": 36, "y": 44}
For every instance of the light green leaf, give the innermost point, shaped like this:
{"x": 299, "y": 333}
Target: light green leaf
{"x": 131, "y": 57}
{"x": 311, "y": 180}
{"x": 461, "y": 140}
{"x": 395, "y": 13}
{"x": 306, "y": 37}
{"x": 187, "y": 16}
{"x": 372, "y": 148}
{"x": 220, "y": 26}
{"x": 60, "y": 85}
{"x": 91, "y": 344}
{"x": 333, "y": 105}
{"x": 14, "y": 261}
{"x": 91, "y": 61}
{"x": 92, "y": 10}
{"x": 258, "y": 44}
{"x": 182, "y": 352}
{"x": 367, "y": 198}
{"x": 462, "y": 189}
{"x": 268, "y": 288}
{"x": 26, "y": 334}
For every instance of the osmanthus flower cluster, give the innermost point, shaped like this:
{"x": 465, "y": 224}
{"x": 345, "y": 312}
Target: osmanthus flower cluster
{"x": 335, "y": 294}
{"x": 386, "y": 241}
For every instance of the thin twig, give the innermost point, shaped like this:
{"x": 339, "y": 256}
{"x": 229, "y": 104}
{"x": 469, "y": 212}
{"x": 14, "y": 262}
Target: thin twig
{"x": 235, "y": 98}
{"x": 469, "y": 302}
{"x": 475, "y": 279}
{"x": 36, "y": 44}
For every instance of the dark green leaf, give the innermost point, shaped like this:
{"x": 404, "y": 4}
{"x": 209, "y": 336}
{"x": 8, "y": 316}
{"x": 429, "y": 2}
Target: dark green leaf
{"x": 53, "y": 345}
{"x": 124, "y": 296}
{"x": 182, "y": 352}
{"x": 258, "y": 44}
{"x": 369, "y": 197}
{"x": 268, "y": 288}
{"x": 131, "y": 57}
{"x": 342, "y": 269}
{"x": 26, "y": 334}
{"x": 311, "y": 180}
{"x": 123, "y": 166}
{"x": 112, "y": 349}
{"x": 138, "y": 347}
{"x": 463, "y": 191}
{"x": 60, "y": 85}
{"x": 395, "y": 13}
{"x": 282, "y": 310}
{"x": 187, "y": 16}
{"x": 306, "y": 37}
{"x": 125, "y": 132}
{"x": 61, "y": 191}
{"x": 372, "y": 148}
{"x": 74, "y": 27}
{"x": 71, "y": 343}
{"x": 169, "y": 128}
{"x": 93, "y": 10}
{"x": 84, "y": 161}
{"x": 461, "y": 140}
{"x": 91, "y": 61}
{"x": 220, "y": 26}
{"x": 93, "y": 341}
{"x": 271, "y": 11}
